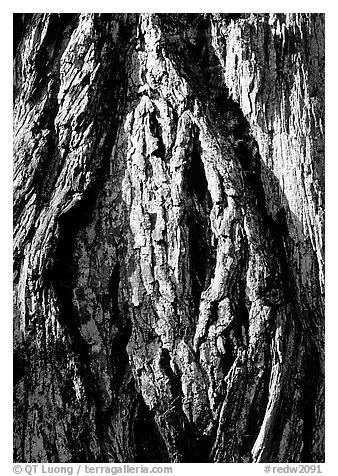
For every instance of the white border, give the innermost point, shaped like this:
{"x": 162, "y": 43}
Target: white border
{"x": 331, "y": 161}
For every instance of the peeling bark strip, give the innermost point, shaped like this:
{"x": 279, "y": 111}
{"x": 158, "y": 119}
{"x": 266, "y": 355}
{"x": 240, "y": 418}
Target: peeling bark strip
{"x": 168, "y": 253}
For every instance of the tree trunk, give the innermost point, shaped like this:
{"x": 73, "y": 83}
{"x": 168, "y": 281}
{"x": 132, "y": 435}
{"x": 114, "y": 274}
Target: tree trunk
{"x": 168, "y": 255}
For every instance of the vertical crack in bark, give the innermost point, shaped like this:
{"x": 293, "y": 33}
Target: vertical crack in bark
{"x": 152, "y": 448}
{"x": 199, "y": 204}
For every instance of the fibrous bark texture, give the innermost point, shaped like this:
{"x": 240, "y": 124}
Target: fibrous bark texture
{"x": 168, "y": 250}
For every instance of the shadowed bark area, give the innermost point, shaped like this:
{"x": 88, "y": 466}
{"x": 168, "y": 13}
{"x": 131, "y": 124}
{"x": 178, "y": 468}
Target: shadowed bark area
{"x": 168, "y": 238}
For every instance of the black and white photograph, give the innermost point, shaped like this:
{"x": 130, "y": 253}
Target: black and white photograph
{"x": 168, "y": 216}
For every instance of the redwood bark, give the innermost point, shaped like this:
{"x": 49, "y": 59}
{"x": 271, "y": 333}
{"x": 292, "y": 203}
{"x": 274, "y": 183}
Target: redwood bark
{"x": 168, "y": 240}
